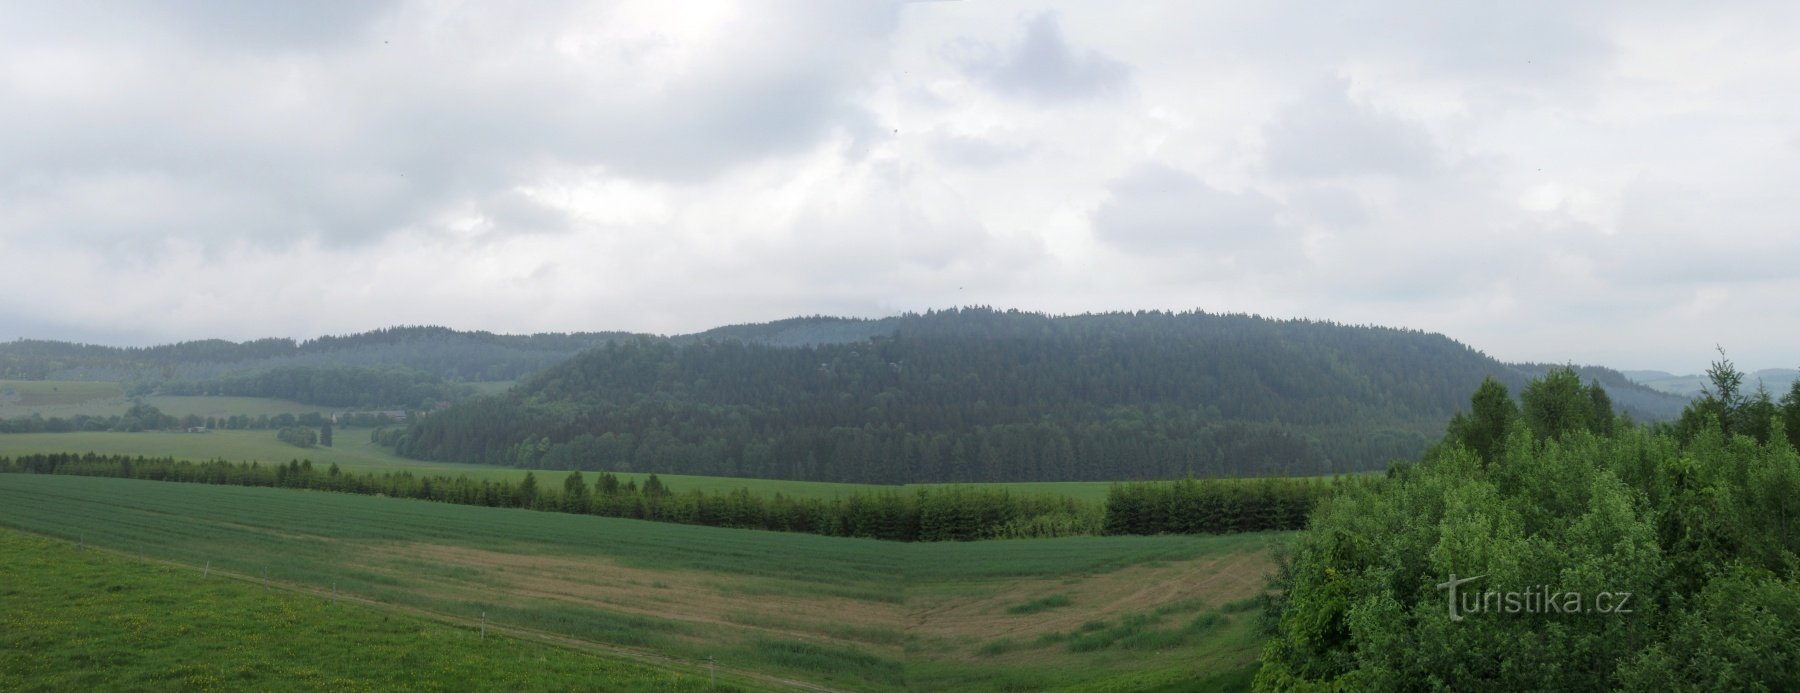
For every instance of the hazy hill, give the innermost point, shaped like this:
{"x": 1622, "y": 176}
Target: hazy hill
{"x": 400, "y": 366}
{"x": 1777, "y": 380}
{"x": 798, "y": 332}
{"x": 984, "y": 395}
{"x": 442, "y": 352}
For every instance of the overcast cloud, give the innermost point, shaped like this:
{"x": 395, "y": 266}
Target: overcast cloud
{"x": 1589, "y": 182}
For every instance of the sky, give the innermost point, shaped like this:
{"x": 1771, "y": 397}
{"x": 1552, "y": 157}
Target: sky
{"x": 1601, "y": 182}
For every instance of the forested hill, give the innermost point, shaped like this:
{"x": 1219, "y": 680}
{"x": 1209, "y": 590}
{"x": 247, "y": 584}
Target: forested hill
{"x": 440, "y": 352}
{"x": 981, "y": 395}
{"x": 404, "y": 367}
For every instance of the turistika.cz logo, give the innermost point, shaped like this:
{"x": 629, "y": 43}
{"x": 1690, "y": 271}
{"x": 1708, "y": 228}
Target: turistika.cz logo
{"x": 1537, "y": 600}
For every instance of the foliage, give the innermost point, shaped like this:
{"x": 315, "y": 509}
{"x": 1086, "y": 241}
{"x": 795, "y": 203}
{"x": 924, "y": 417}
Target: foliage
{"x": 297, "y": 436}
{"x": 146, "y": 417}
{"x": 1701, "y": 528}
{"x": 335, "y": 386}
{"x": 1211, "y": 506}
{"x": 937, "y": 514}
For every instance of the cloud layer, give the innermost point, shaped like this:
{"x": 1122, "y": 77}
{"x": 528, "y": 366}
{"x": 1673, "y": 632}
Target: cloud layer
{"x": 1598, "y": 183}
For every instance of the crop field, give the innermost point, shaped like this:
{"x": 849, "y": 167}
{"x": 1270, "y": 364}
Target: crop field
{"x": 83, "y": 619}
{"x": 1137, "y": 612}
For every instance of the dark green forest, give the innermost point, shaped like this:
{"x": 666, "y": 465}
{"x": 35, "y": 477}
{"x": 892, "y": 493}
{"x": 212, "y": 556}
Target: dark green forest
{"x": 331, "y": 386}
{"x": 1671, "y": 554}
{"x": 978, "y": 395}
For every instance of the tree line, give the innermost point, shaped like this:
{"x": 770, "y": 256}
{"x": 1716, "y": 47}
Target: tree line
{"x": 331, "y": 386}
{"x": 147, "y": 417}
{"x": 1695, "y": 524}
{"x": 1211, "y": 506}
{"x": 951, "y": 513}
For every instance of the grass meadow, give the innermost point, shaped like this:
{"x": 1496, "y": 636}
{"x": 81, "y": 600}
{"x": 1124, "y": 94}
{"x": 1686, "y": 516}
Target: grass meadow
{"x": 1129, "y": 612}
{"x": 85, "y": 619}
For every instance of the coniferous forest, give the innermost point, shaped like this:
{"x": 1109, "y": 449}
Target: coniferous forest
{"x": 977, "y": 395}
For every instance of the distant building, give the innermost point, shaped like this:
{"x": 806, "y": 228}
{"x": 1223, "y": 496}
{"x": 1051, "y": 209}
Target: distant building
{"x": 196, "y": 429}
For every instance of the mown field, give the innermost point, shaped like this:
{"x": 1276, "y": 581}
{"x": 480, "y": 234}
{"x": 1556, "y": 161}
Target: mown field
{"x": 85, "y": 619}
{"x": 1130, "y": 612}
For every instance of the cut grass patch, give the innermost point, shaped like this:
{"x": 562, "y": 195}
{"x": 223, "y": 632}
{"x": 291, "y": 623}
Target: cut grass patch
{"x": 1040, "y": 604}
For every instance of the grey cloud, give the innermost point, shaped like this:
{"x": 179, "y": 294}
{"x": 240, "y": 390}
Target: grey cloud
{"x": 976, "y": 152}
{"x": 1043, "y": 65}
{"x": 345, "y": 138}
{"x": 1672, "y": 235}
{"x": 260, "y": 26}
{"x": 1327, "y": 135}
{"x": 1331, "y": 205}
{"x": 1515, "y": 53}
{"x": 1155, "y": 208}
{"x": 208, "y": 25}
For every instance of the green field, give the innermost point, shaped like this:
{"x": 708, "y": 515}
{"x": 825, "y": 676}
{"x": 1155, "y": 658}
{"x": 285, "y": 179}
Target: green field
{"x": 490, "y": 387}
{"x": 71, "y": 398}
{"x": 353, "y": 451}
{"x": 30, "y": 393}
{"x": 1136, "y": 612}
{"x": 75, "y": 619}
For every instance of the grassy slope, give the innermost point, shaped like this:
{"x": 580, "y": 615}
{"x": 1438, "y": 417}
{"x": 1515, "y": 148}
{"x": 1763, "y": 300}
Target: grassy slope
{"x": 843, "y": 612}
{"x": 85, "y": 620}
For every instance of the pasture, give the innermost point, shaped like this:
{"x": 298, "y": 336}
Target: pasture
{"x": 75, "y": 619}
{"x": 842, "y": 613}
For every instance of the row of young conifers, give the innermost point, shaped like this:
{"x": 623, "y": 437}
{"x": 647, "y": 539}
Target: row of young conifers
{"x": 944, "y": 513}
